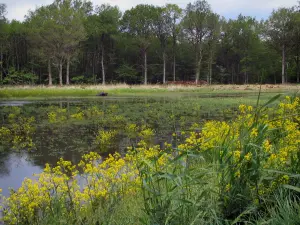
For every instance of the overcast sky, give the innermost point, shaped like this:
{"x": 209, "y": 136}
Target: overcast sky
{"x": 17, "y": 9}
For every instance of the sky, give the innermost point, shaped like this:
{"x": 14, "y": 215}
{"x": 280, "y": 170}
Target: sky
{"x": 260, "y": 9}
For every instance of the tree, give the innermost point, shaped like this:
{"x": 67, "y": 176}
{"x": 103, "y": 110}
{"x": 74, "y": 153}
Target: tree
{"x": 102, "y": 26}
{"x": 127, "y": 73}
{"x": 58, "y": 28}
{"x": 40, "y": 26}
{"x": 174, "y": 14}
{"x": 69, "y": 15}
{"x": 295, "y": 39}
{"x": 2, "y": 13}
{"x": 162, "y": 29}
{"x": 248, "y": 39}
{"x": 147, "y": 44}
{"x": 278, "y": 32}
{"x": 240, "y": 47}
{"x": 3, "y": 37}
{"x": 196, "y": 29}
{"x": 212, "y": 41}
{"x": 138, "y": 22}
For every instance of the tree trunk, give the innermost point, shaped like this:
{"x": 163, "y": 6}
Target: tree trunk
{"x": 298, "y": 72}
{"x": 283, "y": 65}
{"x": 198, "y": 69}
{"x": 237, "y": 79}
{"x": 17, "y": 56}
{"x": 246, "y": 78}
{"x": 174, "y": 48}
{"x": 145, "y": 67}
{"x": 210, "y": 73}
{"x": 164, "y": 72}
{"x": 174, "y": 68}
{"x": 60, "y": 73}
{"x": 94, "y": 75}
{"x": 102, "y": 65}
{"x": 68, "y": 71}
{"x": 49, "y": 73}
{"x": 232, "y": 74}
{"x": 1, "y": 66}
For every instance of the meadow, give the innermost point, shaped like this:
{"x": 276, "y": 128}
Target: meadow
{"x": 40, "y": 92}
{"x": 188, "y": 156}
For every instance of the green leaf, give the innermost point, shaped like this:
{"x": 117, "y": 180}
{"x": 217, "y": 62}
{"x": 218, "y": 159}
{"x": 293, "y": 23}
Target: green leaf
{"x": 297, "y": 189}
{"x": 273, "y": 99}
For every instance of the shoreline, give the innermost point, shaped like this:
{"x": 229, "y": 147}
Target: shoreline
{"x": 40, "y": 92}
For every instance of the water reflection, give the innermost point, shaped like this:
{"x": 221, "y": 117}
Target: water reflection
{"x": 14, "y": 103}
{"x": 14, "y": 168}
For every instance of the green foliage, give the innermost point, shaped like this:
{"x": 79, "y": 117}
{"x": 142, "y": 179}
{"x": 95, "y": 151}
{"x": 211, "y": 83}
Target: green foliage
{"x": 78, "y": 79}
{"x": 104, "y": 22}
{"x": 284, "y": 210}
{"x": 18, "y": 133}
{"x": 19, "y": 77}
{"x": 127, "y": 73}
{"x": 160, "y": 42}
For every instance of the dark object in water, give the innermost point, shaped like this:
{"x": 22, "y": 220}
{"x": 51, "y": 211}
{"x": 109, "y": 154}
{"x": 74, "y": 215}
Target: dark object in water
{"x": 102, "y": 94}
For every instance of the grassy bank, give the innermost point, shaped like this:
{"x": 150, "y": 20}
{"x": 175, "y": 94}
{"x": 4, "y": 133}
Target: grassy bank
{"x": 243, "y": 171}
{"x": 13, "y": 92}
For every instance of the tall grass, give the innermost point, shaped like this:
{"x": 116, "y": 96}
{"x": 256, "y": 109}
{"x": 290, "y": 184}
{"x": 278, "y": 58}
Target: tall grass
{"x": 124, "y": 89}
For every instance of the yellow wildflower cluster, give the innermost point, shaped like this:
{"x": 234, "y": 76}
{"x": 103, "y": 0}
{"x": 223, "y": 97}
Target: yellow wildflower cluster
{"x": 146, "y": 134}
{"x": 105, "y": 138}
{"x": 78, "y": 116}
{"x": 245, "y": 109}
{"x": 191, "y": 142}
{"x": 18, "y": 133}
{"x": 131, "y": 130}
{"x": 273, "y": 138}
{"x": 93, "y": 112}
{"x": 57, "y": 115}
{"x": 287, "y": 147}
{"x": 254, "y": 133}
{"x": 103, "y": 180}
{"x": 213, "y": 132}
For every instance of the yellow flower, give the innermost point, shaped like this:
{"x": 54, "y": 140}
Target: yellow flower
{"x": 254, "y": 132}
{"x": 236, "y": 156}
{"x": 237, "y": 174}
{"x": 242, "y": 108}
{"x": 273, "y": 157}
{"x": 267, "y": 146}
{"x": 248, "y": 156}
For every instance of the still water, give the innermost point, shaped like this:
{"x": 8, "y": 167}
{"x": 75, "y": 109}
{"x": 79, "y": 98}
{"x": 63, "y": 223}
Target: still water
{"x": 70, "y": 135}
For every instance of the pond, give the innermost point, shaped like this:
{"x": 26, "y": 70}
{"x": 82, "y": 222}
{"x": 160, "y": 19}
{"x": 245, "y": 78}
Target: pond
{"x": 34, "y": 133}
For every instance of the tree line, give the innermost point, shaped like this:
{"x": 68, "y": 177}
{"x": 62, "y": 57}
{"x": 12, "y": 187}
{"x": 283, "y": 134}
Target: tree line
{"x": 72, "y": 41}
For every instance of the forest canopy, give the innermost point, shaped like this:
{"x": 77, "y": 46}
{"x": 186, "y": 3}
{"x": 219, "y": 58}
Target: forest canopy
{"x": 73, "y": 41}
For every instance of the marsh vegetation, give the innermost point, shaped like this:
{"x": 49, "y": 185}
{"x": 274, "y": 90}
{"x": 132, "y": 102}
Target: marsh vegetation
{"x": 181, "y": 159}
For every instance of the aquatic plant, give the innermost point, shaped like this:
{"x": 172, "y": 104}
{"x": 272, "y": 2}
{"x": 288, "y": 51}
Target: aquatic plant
{"x": 105, "y": 138}
{"x": 18, "y": 133}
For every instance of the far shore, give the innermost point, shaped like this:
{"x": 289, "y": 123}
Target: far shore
{"x": 41, "y": 91}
